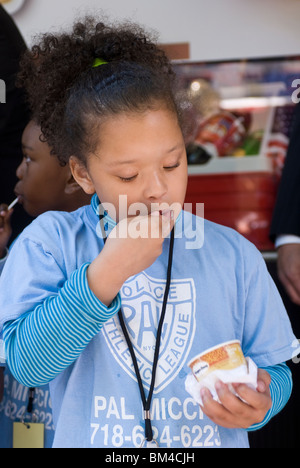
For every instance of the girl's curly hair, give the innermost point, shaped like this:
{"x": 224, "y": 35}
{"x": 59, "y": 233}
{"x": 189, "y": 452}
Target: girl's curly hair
{"x": 64, "y": 89}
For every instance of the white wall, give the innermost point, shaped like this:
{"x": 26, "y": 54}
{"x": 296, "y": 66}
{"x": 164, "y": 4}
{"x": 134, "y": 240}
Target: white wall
{"x": 216, "y": 29}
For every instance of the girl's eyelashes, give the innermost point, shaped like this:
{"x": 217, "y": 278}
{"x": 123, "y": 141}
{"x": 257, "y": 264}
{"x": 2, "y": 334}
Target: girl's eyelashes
{"x": 169, "y": 168}
{"x": 127, "y": 179}
{"x": 166, "y": 168}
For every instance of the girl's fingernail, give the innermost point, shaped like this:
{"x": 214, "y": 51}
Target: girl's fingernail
{"x": 205, "y": 394}
{"x": 155, "y": 213}
{"x": 220, "y": 386}
{"x": 261, "y": 387}
{"x": 168, "y": 214}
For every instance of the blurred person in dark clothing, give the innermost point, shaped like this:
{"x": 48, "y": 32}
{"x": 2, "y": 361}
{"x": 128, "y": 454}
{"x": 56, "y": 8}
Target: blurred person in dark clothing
{"x": 285, "y": 228}
{"x": 284, "y": 431}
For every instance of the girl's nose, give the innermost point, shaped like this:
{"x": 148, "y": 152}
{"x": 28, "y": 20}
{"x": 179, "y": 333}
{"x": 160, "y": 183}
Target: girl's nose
{"x": 156, "y": 187}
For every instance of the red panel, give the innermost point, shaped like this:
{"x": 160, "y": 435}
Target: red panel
{"x": 242, "y": 201}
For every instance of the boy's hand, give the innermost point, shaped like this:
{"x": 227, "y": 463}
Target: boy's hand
{"x": 232, "y": 412}
{"x": 5, "y": 228}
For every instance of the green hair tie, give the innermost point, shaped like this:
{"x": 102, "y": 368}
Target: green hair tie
{"x": 98, "y": 62}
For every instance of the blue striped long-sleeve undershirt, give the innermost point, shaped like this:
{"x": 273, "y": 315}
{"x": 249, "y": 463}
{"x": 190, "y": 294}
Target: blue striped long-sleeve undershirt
{"x": 281, "y": 388}
{"x": 42, "y": 343}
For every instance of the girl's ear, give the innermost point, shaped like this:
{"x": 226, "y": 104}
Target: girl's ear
{"x": 81, "y": 175}
{"x": 71, "y": 186}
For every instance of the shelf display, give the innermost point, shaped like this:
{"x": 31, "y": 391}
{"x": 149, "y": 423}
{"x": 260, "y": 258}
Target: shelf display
{"x": 238, "y": 116}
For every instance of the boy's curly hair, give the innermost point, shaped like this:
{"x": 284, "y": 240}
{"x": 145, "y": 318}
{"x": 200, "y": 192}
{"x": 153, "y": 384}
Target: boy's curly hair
{"x": 58, "y": 62}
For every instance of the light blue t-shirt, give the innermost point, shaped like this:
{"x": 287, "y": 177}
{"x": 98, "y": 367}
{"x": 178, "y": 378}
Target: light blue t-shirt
{"x": 220, "y": 291}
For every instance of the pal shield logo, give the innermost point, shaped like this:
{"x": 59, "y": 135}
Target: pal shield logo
{"x": 142, "y": 298}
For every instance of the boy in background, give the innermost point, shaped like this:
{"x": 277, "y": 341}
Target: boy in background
{"x": 44, "y": 185}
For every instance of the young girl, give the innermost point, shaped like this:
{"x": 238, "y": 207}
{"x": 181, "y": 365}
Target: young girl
{"x": 43, "y": 185}
{"x": 110, "y": 302}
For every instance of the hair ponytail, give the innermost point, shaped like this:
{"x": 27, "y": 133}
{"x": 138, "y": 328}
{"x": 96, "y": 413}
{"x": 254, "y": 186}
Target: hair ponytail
{"x": 60, "y": 63}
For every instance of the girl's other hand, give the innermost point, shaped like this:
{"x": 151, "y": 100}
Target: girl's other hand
{"x": 138, "y": 241}
{"x": 5, "y": 228}
{"x": 133, "y": 245}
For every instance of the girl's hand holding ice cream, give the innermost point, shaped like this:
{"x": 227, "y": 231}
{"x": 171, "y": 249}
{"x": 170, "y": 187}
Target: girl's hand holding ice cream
{"x": 234, "y": 412}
